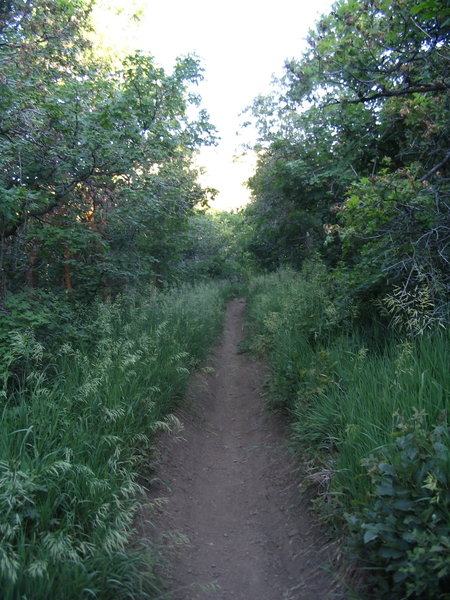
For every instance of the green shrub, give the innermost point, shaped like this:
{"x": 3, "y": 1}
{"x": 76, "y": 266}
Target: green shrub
{"x": 402, "y": 529}
{"x": 290, "y": 315}
{"x": 46, "y": 316}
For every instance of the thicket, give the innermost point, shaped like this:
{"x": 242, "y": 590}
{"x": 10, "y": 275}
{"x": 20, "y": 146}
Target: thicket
{"x": 369, "y": 410}
{"x": 76, "y": 425}
{"x": 217, "y": 248}
{"x": 99, "y": 198}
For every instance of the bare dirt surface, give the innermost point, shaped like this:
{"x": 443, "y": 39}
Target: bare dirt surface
{"x": 231, "y": 491}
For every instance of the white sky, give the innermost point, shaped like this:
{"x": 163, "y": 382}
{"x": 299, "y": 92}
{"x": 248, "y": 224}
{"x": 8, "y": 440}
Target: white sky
{"x": 241, "y": 44}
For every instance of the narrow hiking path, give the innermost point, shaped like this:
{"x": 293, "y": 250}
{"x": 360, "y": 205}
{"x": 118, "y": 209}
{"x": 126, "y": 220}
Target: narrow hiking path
{"x": 230, "y": 489}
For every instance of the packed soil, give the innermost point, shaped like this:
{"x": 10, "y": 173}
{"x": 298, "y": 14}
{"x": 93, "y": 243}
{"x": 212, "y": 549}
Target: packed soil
{"x": 232, "y": 507}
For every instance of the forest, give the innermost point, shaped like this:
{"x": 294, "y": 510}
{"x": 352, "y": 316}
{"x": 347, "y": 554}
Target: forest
{"x": 114, "y": 273}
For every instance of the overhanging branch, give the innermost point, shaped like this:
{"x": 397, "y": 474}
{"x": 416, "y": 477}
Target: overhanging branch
{"x": 420, "y": 89}
{"x": 434, "y": 169}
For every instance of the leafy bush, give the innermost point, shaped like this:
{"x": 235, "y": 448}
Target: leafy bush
{"x": 294, "y": 320}
{"x": 51, "y": 319}
{"x": 290, "y": 314}
{"x": 402, "y": 531}
{"x": 388, "y": 257}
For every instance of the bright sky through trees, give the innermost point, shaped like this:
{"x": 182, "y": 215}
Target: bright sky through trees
{"x": 241, "y": 43}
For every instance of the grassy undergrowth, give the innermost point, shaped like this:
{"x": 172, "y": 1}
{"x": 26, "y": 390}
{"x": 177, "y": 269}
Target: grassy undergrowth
{"x": 75, "y": 427}
{"x": 369, "y": 410}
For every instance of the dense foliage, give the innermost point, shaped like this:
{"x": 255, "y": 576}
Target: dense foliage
{"x": 75, "y": 437}
{"x": 99, "y": 198}
{"x": 370, "y": 421}
{"x": 354, "y": 155}
{"x": 96, "y": 175}
{"x": 216, "y": 247}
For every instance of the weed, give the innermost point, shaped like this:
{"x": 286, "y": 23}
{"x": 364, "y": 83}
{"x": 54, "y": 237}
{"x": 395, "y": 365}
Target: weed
{"x": 75, "y": 429}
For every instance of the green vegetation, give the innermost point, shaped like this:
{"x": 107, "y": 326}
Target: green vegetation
{"x": 216, "y": 247}
{"x": 351, "y": 190}
{"x": 403, "y": 529}
{"x": 107, "y": 253}
{"x": 353, "y": 155}
{"x": 75, "y": 431}
{"x": 370, "y": 412}
{"x": 96, "y": 159}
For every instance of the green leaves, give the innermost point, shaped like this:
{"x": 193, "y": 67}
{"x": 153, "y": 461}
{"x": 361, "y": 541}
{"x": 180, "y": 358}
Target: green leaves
{"x": 362, "y": 49}
{"x": 433, "y": 10}
{"x": 357, "y": 136}
{"x": 384, "y": 223}
{"x": 400, "y": 530}
{"x": 94, "y": 164}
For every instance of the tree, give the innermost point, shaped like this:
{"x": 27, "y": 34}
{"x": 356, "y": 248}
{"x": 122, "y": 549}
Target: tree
{"x": 216, "y": 246}
{"x": 90, "y": 157}
{"x": 357, "y": 138}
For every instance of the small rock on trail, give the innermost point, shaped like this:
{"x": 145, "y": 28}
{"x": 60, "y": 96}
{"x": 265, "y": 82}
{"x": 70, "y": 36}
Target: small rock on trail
{"x": 231, "y": 491}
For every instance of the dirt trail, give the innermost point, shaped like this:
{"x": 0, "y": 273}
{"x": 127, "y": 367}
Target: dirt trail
{"x": 230, "y": 490}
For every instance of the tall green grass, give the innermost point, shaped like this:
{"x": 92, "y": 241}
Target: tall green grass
{"x": 353, "y": 408}
{"x": 347, "y": 390}
{"x": 73, "y": 435}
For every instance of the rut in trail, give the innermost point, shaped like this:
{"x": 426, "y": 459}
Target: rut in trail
{"x": 231, "y": 490}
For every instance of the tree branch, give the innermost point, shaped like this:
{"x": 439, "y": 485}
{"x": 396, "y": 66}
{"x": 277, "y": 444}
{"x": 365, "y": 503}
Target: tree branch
{"x": 434, "y": 169}
{"x": 420, "y": 89}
